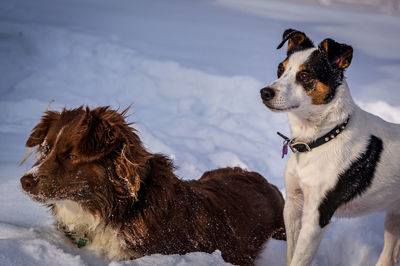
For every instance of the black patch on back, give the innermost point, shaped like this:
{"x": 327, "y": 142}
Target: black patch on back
{"x": 318, "y": 67}
{"x": 353, "y": 181}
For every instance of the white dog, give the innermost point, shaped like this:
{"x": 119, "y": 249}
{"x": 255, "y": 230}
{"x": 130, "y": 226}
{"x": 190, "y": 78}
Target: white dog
{"x": 344, "y": 161}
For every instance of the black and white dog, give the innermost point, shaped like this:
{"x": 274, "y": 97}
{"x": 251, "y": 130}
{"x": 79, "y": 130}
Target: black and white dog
{"x": 344, "y": 160}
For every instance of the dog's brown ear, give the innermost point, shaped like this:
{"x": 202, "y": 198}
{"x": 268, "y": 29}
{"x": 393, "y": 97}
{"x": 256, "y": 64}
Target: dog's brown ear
{"x": 101, "y": 133}
{"x": 339, "y": 55}
{"x": 40, "y": 131}
{"x": 297, "y": 41}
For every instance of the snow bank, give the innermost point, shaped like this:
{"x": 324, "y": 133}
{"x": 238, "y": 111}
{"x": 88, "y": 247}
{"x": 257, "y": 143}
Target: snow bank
{"x": 382, "y": 109}
{"x": 96, "y": 72}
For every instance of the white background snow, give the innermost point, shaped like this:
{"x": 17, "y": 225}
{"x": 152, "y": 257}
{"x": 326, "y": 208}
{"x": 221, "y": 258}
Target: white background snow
{"x": 192, "y": 70}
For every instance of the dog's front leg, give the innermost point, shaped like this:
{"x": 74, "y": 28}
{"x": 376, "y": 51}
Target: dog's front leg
{"x": 310, "y": 233}
{"x": 292, "y": 213}
{"x": 292, "y": 216}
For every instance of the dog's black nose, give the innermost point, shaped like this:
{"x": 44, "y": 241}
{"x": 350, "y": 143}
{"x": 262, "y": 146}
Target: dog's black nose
{"x": 28, "y": 183}
{"x": 267, "y": 93}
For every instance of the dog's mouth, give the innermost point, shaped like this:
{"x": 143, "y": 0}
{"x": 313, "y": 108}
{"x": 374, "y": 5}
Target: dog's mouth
{"x": 41, "y": 198}
{"x": 274, "y": 109}
{"x": 38, "y": 198}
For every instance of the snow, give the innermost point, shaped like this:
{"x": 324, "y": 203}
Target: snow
{"x": 192, "y": 70}
{"x": 194, "y": 258}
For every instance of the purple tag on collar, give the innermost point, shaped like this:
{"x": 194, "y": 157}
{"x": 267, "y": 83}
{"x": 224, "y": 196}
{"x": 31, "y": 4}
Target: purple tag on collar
{"x": 285, "y": 149}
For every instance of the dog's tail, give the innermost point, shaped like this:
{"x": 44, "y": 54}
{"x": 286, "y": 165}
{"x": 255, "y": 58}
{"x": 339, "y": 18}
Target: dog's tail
{"x": 280, "y": 233}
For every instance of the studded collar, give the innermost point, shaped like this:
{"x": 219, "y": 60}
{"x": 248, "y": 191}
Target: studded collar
{"x": 297, "y": 146}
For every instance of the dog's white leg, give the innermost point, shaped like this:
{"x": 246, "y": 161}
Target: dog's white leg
{"x": 397, "y": 252}
{"x": 389, "y": 255}
{"x": 311, "y": 232}
{"x": 292, "y": 214}
{"x": 292, "y": 217}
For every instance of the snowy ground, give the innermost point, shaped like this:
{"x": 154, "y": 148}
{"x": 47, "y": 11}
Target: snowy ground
{"x": 192, "y": 70}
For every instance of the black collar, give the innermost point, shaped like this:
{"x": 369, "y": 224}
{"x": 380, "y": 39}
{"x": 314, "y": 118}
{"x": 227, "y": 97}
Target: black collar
{"x": 297, "y": 146}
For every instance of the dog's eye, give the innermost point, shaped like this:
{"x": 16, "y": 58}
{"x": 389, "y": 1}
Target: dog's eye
{"x": 72, "y": 157}
{"x": 281, "y": 69}
{"x": 304, "y": 76}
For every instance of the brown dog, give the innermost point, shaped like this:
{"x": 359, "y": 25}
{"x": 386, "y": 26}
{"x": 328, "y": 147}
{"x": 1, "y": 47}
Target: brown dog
{"x": 111, "y": 196}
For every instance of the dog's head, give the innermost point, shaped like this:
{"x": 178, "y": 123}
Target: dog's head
{"x": 309, "y": 77}
{"x": 92, "y": 157}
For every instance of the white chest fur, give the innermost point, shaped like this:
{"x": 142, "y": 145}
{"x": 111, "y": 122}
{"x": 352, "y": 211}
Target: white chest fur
{"x": 79, "y": 223}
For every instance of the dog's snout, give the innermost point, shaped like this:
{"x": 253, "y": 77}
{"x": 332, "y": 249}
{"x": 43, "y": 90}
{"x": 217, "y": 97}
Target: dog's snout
{"x": 28, "y": 183}
{"x": 267, "y": 93}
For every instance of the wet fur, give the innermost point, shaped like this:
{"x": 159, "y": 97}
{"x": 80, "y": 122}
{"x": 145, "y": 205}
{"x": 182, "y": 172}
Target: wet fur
{"x": 101, "y": 184}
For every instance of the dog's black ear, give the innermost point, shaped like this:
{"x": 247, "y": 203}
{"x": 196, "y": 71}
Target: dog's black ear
{"x": 297, "y": 41}
{"x": 339, "y": 55}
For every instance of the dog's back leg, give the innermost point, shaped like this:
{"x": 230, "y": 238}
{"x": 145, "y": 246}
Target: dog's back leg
{"x": 390, "y": 252}
{"x": 397, "y": 252}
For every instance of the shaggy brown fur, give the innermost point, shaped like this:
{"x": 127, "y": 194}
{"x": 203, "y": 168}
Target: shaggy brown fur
{"x": 95, "y": 159}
